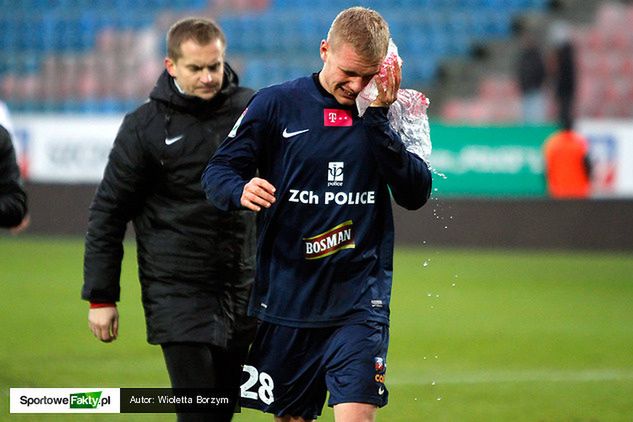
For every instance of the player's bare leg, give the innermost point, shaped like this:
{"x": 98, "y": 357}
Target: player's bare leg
{"x": 355, "y": 412}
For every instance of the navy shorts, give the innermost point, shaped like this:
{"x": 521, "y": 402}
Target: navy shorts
{"x": 289, "y": 370}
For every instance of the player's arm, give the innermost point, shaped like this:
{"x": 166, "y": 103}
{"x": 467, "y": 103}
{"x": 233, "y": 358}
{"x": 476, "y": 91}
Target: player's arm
{"x": 229, "y": 180}
{"x": 118, "y": 198}
{"x": 407, "y": 174}
{"x": 12, "y": 196}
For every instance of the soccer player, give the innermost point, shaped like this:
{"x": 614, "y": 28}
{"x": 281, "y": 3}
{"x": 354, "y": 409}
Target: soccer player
{"x": 195, "y": 262}
{"x": 325, "y": 226}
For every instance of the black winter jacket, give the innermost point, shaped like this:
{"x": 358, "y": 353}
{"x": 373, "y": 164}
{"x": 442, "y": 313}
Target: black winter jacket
{"x": 196, "y": 263}
{"x": 12, "y": 195}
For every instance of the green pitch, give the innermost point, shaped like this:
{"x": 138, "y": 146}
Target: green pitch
{"x": 476, "y": 335}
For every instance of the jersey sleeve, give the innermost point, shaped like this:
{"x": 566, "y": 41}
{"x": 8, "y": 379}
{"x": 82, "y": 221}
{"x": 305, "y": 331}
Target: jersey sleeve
{"x": 407, "y": 175}
{"x": 239, "y": 156}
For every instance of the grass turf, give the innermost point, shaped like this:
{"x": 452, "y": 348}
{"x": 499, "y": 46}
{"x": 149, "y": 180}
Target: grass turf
{"x": 477, "y": 335}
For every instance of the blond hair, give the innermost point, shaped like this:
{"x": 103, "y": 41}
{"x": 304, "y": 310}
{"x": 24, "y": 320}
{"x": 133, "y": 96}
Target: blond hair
{"x": 202, "y": 31}
{"x": 362, "y": 28}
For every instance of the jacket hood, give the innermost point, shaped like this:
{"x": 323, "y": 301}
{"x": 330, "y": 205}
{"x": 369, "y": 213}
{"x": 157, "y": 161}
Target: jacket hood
{"x": 165, "y": 91}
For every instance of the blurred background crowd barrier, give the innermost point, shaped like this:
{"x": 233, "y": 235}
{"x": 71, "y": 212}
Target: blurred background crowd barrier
{"x": 70, "y": 69}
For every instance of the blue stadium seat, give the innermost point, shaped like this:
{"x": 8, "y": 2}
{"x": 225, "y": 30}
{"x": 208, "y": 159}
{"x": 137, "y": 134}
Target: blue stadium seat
{"x": 419, "y": 70}
{"x": 8, "y": 34}
{"x": 89, "y": 106}
{"x": 276, "y": 44}
{"x": 8, "y": 62}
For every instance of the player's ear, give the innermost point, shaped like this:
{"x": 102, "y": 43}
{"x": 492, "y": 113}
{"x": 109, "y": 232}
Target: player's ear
{"x": 323, "y": 49}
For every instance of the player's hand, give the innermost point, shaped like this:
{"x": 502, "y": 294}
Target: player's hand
{"x": 104, "y": 323}
{"x": 388, "y": 84}
{"x": 258, "y": 193}
{"x": 22, "y": 226}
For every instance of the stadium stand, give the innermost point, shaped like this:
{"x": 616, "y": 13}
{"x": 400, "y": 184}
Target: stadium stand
{"x": 606, "y": 63}
{"x": 98, "y": 56}
{"x": 604, "y": 49}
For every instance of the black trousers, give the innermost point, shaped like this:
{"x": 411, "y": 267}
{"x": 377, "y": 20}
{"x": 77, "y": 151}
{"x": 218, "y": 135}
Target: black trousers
{"x": 565, "y": 109}
{"x": 200, "y": 365}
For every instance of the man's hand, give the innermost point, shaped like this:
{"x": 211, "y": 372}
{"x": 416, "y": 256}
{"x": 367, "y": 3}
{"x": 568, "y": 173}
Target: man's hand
{"x": 388, "y": 84}
{"x": 22, "y": 226}
{"x": 104, "y": 323}
{"x": 258, "y": 193}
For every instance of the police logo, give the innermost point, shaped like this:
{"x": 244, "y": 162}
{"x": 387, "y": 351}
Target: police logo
{"x": 335, "y": 173}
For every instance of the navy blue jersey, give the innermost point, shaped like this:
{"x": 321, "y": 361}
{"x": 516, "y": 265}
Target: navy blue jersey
{"x": 325, "y": 247}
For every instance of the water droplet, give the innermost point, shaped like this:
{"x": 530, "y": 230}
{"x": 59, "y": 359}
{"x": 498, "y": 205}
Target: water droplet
{"x": 429, "y": 294}
{"x": 439, "y": 398}
{"x": 425, "y": 263}
{"x": 446, "y": 227}
{"x": 442, "y": 175}
{"x": 436, "y": 356}
{"x": 433, "y": 383}
{"x": 453, "y": 285}
{"x": 437, "y": 295}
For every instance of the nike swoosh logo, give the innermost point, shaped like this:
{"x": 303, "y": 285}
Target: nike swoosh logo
{"x": 287, "y": 134}
{"x": 169, "y": 141}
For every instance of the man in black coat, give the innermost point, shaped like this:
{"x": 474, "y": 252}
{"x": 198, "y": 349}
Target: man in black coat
{"x": 12, "y": 195}
{"x": 531, "y": 76}
{"x": 563, "y": 69}
{"x": 196, "y": 263}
